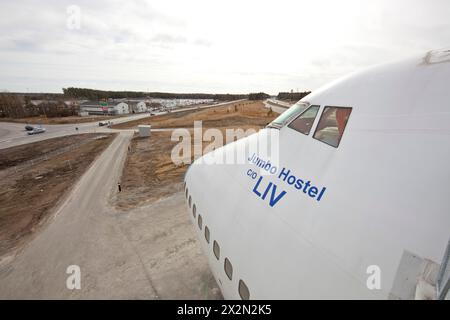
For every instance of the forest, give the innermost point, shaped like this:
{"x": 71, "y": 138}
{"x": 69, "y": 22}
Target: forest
{"x": 92, "y": 94}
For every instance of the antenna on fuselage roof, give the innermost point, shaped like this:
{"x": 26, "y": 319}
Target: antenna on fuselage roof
{"x": 437, "y": 56}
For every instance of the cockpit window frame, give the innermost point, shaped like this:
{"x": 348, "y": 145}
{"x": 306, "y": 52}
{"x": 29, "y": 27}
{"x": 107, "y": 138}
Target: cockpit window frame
{"x": 316, "y": 125}
{"x": 286, "y": 122}
{"x": 302, "y": 113}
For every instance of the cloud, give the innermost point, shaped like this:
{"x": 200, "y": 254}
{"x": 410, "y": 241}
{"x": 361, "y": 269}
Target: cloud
{"x": 203, "y": 42}
{"x": 165, "y": 38}
{"x": 209, "y": 46}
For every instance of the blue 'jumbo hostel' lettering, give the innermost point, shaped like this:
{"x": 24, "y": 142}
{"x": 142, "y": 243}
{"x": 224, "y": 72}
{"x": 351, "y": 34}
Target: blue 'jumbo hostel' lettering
{"x": 321, "y": 193}
{"x": 306, "y": 186}
{"x": 299, "y": 184}
{"x": 255, "y": 188}
{"x": 267, "y": 190}
{"x": 273, "y": 200}
{"x": 284, "y": 174}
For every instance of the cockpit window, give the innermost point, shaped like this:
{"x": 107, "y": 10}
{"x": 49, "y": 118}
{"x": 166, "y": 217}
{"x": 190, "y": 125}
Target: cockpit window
{"x": 290, "y": 113}
{"x": 304, "y": 122}
{"x": 332, "y": 124}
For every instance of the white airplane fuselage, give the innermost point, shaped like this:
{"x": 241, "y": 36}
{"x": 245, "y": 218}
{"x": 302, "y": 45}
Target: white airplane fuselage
{"x": 381, "y": 195}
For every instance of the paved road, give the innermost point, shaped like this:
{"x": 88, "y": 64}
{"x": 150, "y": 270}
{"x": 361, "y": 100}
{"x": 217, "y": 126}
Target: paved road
{"x": 276, "y": 108}
{"x": 148, "y": 253}
{"x": 13, "y": 134}
{"x": 279, "y": 103}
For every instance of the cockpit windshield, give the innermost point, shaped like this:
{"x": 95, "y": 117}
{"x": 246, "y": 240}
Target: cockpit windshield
{"x": 289, "y": 114}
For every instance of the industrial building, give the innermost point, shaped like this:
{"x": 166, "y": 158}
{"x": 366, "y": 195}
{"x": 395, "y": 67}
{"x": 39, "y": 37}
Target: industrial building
{"x": 104, "y": 108}
{"x": 137, "y": 106}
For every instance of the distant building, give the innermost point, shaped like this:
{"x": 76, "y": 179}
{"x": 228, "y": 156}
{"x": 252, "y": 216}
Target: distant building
{"x": 141, "y": 107}
{"x": 144, "y": 130}
{"x": 109, "y": 108}
{"x": 137, "y": 106}
{"x": 154, "y": 106}
{"x": 121, "y": 108}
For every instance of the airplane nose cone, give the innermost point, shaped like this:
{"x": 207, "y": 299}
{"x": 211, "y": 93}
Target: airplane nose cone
{"x": 220, "y": 178}
{"x": 203, "y": 182}
{"x": 209, "y": 193}
{"x": 223, "y": 210}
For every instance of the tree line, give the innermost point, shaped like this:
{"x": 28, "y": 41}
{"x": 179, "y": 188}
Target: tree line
{"x": 292, "y": 95}
{"x": 258, "y": 96}
{"x": 17, "y": 106}
{"x": 93, "y": 94}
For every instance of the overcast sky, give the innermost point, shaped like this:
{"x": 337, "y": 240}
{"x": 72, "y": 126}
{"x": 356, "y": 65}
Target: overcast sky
{"x": 208, "y": 46}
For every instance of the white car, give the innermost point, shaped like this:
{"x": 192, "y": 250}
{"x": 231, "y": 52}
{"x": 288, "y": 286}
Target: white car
{"x": 36, "y": 131}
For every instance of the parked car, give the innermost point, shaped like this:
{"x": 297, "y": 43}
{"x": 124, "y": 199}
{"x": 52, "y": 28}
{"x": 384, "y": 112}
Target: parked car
{"x": 36, "y": 131}
{"x": 28, "y": 127}
{"x": 102, "y": 123}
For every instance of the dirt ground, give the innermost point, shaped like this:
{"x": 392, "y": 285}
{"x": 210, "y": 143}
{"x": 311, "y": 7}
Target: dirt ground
{"x": 59, "y": 120}
{"x": 34, "y": 177}
{"x": 149, "y": 173}
{"x": 235, "y": 114}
